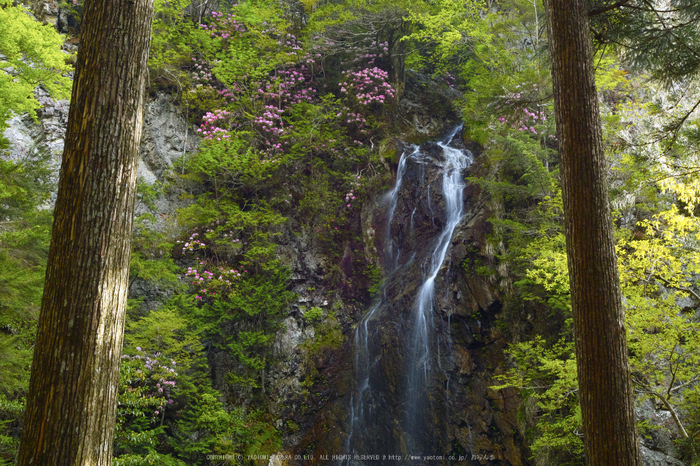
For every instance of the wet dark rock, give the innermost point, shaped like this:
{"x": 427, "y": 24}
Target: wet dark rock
{"x": 152, "y": 295}
{"x": 426, "y": 108}
{"x": 467, "y": 416}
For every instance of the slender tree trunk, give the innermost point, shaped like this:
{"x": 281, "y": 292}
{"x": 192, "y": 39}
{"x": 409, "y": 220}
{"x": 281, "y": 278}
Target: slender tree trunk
{"x": 72, "y": 400}
{"x": 601, "y": 346}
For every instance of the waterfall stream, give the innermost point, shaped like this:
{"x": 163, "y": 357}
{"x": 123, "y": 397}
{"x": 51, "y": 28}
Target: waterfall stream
{"x": 382, "y": 421}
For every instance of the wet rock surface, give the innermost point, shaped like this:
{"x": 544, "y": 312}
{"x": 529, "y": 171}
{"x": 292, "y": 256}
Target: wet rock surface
{"x": 464, "y": 417}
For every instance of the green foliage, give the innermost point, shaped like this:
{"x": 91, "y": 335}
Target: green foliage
{"x": 311, "y": 165}
{"x": 547, "y": 373}
{"x": 231, "y": 164}
{"x": 25, "y": 231}
{"x": 168, "y": 411}
{"x": 24, "y": 185}
{"x": 150, "y": 256}
{"x": 30, "y": 55}
{"x": 11, "y": 415}
{"x": 658, "y": 39}
{"x": 150, "y": 458}
{"x": 376, "y": 279}
{"x": 657, "y": 267}
{"x": 173, "y": 35}
{"x": 257, "y": 52}
{"x": 249, "y": 318}
{"x": 151, "y": 247}
{"x": 498, "y": 56}
{"x": 159, "y": 349}
{"x": 448, "y": 26}
{"x": 328, "y": 335}
{"x": 16, "y": 360}
{"x": 24, "y": 244}
{"x": 313, "y": 314}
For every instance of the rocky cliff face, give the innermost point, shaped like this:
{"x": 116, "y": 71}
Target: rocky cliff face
{"x": 166, "y": 137}
{"x": 464, "y": 417}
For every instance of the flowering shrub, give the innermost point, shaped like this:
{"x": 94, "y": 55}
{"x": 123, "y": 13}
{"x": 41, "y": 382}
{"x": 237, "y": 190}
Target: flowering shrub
{"x": 266, "y": 95}
{"x": 522, "y": 118}
{"x": 526, "y": 120}
{"x": 367, "y": 86}
{"x": 224, "y": 25}
{"x": 210, "y": 128}
{"x": 221, "y": 284}
{"x": 220, "y": 281}
{"x": 147, "y": 379}
{"x": 168, "y": 412}
{"x": 202, "y": 73}
{"x": 262, "y": 96}
{"x": 349, "y": 197}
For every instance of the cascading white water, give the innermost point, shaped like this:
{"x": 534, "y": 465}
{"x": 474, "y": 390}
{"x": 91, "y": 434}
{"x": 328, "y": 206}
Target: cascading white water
{"x": 392, "y": 197}
{"x": 370, "y": 426}
{"x": 422, "y": 339}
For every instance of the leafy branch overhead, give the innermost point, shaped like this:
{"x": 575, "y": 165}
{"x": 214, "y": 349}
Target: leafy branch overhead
{"x": 30, "y": 55}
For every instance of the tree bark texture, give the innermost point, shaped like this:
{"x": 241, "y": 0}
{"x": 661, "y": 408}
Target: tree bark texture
{"x": 72, "y": 400}
{"x": 605, "y": 390}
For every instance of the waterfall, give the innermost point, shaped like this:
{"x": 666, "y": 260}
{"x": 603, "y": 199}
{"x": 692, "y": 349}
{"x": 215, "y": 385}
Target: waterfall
{"x": 421, "y": 352}
{"x": 380, "y": 421}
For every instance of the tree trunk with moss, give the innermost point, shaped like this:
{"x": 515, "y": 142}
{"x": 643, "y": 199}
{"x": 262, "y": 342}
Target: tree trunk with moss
{"x": 605, "y": 390}
{"x": 72, "y": 400}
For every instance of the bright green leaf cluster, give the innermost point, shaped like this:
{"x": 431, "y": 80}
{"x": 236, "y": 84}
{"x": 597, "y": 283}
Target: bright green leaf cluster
{"x": 30, "y": 56}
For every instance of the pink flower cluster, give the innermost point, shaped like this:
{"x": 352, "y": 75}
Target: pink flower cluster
{"x": 447, "y": 78}
{"x": 349, "y": 197}
{"x": 290, "y": 45}
{"x": 354, "y": 118}
{"x": 271, "y": 121}
{"x": 201, "y": 73}
{"x": 223, "y": 25}
{"x": 223, "y": 283}
{"x": 210, "y": 128}
{"x": 526, "y": 122}
{"x": 368, "y": 85}
{"x": 289, "y": 86}
{"x": 225, "y": 275}
{"x": 193, "y": 243}
{"x": 221, "y": 278}
{"x": 158, "y": 370}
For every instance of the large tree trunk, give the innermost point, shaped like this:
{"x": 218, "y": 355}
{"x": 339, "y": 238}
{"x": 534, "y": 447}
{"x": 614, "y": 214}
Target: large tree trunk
{"x": 72, "y": 401}
{"x": 601, "y": 346}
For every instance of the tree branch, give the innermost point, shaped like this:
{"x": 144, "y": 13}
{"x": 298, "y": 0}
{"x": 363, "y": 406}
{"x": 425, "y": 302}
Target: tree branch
{"x": 668, "y": 284}
{"x": 601, "y": 10}
{"x": 684, "y": 384}
{"x": 649, "y": 391}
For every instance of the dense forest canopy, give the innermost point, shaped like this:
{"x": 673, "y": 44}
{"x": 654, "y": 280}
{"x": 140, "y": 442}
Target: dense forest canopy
{"x": 298, "y": 107}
